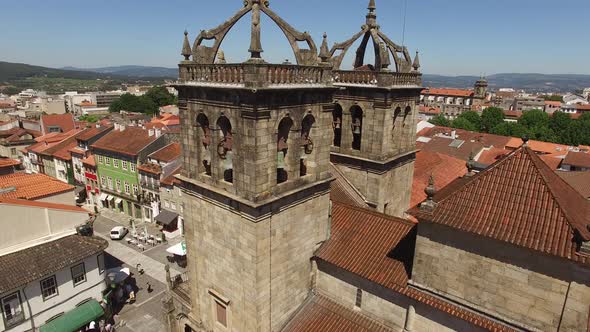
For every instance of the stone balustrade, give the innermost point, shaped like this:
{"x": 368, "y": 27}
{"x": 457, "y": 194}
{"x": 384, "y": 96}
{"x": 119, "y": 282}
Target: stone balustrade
{"x": 378, "y": 79}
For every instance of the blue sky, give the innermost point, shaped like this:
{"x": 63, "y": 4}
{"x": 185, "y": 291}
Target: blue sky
{"x": 455, "y": 37}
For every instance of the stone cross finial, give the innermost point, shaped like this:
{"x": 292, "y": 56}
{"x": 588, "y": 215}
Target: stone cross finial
{"x": 324, "y": 51}
{"x": 255, "y": 43}
{"x": 372, "y": 6}
{"x": 372, "y": 16}
{"x": 525, "y": 141}
{"x": 186, "y": 47}
{"x": 471, "y": 164}
{"x": 416, "y": 64}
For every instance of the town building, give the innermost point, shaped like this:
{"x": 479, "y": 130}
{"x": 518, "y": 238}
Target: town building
{"x": 576, "y": 161}
{"x": 57, "y": 123}
{"x": 522, "y": 104}
{"x": 117, "y": 156}
{"x": 104, "y": 100}
{"x": 453, "y": 102}
{"x": 8, "y": 166}
{"x": 14, "y": 140}
{"x": 82, "y": 149}
{"x": 91, "y": 181}
{"x": 49, "y": 273}
{"x": 72, "y": 98}
{"x": 573, "y": 99}
{"x": 36, "y": 187}
{"x": 586, "y": 94}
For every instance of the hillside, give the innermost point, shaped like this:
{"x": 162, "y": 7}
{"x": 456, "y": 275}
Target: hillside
{"x": 10, "y": 72}
{"x": 133, "y": 71}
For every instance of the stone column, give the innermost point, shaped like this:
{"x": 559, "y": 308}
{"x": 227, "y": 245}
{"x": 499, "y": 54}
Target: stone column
{"x": 410, "y": 318}
{"x": 346, "y": 141}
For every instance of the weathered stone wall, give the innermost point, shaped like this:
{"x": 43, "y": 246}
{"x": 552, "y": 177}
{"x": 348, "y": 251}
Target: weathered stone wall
{"x": 383, "y": 305}
{"x": 516, "y": 284}
{"x": 262, "y": 267}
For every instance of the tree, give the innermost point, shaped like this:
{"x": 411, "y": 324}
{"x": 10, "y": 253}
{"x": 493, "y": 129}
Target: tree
{"x": 553, "y": 98}
{"x": 89, "y": 118}
{"x": 160, "y": 96}
{"x": 463, "y": 123}
{"x": 491, "y": 117}
{"x": 472, "y": 117}
{"x": 10, "y": 90}
{"x": 440, "y": 120}
{"x": 560, "y": 123}
{"x": 132, "y": 103}
{"x": 510, "y": 129}
{"x": 534, "y": 118}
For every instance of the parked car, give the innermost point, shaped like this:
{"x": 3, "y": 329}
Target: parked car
{"x": 119, "y": 232}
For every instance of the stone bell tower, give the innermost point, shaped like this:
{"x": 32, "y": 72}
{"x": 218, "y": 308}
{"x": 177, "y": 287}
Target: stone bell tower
{"x": 255, "y": 181}
{"x": 374, "y": 119}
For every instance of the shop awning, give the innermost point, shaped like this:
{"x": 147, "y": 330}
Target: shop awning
{"x": 103, "y": 196}
{"x": 78, "y": 190}
{"x": 73, "y": 320}
{"x": 178, "y": 249}
{"x": 118, "y": 201}
{"x": 166, "y": 217}
{"x": 109, "y": 197}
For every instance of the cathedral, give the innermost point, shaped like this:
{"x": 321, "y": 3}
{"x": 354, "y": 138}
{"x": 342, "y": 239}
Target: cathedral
{"x": 296, "y": 185}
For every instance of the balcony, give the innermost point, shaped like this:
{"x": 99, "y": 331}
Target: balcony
{"x": 252, "y": 75}
{"x": 155, "y": 186}
{"x": 181, "y": 288}
{"x": 377, "y": 79}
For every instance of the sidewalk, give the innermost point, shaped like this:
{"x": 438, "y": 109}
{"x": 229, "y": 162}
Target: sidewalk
{"x": 131, "y": 257}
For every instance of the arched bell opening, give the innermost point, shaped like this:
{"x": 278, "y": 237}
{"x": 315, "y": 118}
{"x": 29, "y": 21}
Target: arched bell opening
{"x": 407, "y": 113}
{"x": 337, "y": 125}
{"x": 306, "y": 143}
{"x": 357, "y": 127}
{"x": 282, "y": 148}
{"x": 225, "y": 148}
{"x": 396, "y": 114}
{"x": 203, "y": 123}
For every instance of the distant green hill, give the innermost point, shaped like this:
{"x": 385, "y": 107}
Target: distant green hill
{"x": 10, "y": 72}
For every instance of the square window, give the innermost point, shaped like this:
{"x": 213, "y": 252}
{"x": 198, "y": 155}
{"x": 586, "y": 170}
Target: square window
{"x": 135, "y": 190}
{"x": 49, "y": 287}
{"x": 115, "y": 163}
{"x": 359, "y": 297}
{"x": 107, "y": 161}
{"x": 100, "y": 159}
{"x": 124, "y": 164}
{"x": 221, "y": 311}
{"x": 118, "y": 185}
{"x": 78, "y": 274}
{"x": 133, "y": 167}
{"x": 173, "y": 205}
{"x": 12, "y": 310}
{"x": 127, "y": 188}
{"x": 100, "y": 260}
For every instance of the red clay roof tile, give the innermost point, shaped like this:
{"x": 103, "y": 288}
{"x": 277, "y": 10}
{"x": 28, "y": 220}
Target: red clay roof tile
{"x": 32, "y": 186}
{"x": 168, "y": 153}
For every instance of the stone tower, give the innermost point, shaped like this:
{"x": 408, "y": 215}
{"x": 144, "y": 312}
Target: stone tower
{"x": 255, "y": 179}
{"x": 481, "y": 88}
{"x": 375, "y": 118}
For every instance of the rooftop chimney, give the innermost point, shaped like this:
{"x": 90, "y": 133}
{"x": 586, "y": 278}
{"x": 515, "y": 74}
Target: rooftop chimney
{"x": 116, "y": 126}
{"x": 454, "y": 134}
{"x": 158, "y": 132}
{"x": 122, "y": 127}
{"x": 150, "y": 132}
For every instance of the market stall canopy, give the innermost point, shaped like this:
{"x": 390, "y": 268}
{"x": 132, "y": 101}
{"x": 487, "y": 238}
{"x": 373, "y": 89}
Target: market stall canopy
{"x": 166, "y": 217}
{"x": 76, "y": 318}
{"x": 117, "y": 275}
{"x": 178, "y": 249}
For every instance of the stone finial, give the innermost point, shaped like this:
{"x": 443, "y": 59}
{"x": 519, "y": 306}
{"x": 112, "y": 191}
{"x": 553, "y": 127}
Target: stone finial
{"x": 255, "y": 43}
{"x": 372, "y": 6}
{"x": 221, "y": 58}
{"x": 372, "y": 16}
{"x": 324, "y": 51}
{"x": 416, "y": 64}
{"x": 525, "y": 141}
{"x": 186, "y": 47}
{"x": 429, "y": 205}
{"x": 384, "y": 55}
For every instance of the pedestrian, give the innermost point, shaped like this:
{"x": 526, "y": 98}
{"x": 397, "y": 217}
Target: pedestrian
{"x": 149, "y": 287}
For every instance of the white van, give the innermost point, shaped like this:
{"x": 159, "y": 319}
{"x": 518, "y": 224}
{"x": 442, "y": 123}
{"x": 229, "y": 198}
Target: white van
{"x": 119, "y": 232}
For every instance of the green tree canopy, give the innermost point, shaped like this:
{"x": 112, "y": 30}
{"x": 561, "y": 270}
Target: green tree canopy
{"x": 11, "y": 90}
{"x": 160, "y": 96}
{"x": 463, "y": 123}
{"x": 534, "y": 118}
{"x": 472, "y": 117}
{"x": 510, "y": 129}
{"x": 440, "y": 120}
{"x": 553, "y": 98}
{"x": 89, "y": 118}
{"x": 491, "y": 117}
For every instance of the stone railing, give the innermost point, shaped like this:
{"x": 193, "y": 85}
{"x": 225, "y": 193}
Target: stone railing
{"x": 179, "y": 285}
{"x": 378, "y": 79}
{"x": 252, "y": 75}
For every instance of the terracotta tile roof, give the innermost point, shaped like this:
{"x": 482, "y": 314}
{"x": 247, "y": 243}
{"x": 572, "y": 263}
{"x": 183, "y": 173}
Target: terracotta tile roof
{"x": 89, "y": 161}
{"x": 63, "y": 121}
{"x": 578, "y": 159}
{"x": 492, "y": 155}
{"x": 32, "y": 186}
{"x": 92, "y": 132}
{"x": 130, "y": 141}
{"x": 519, "y": 200}
{"x": 168, "y": 153}
{"x": 552, "y": 160}
{"x": 513, "y": 114}
{"x": 45, "y": 205}
{"x": 485, "y": 139}
{"x": 429, "y": 110}
{"x": 6, "y": 162}
{"x": 380, "y": 248}
{"x": 578, "y": 180}
{"x": 343, "y": 191}
{"x": 361, "y": 241}
{"x": 537, "y": 146}
{"x": 444, "y": 145}
{"x": 583, "y": 107}
{"x": 444, "y": 168}
{"x": 32, "y": 264}
{"x": 553, "y": 103}
{"x": 150, "y": 168}
{"x": 324, "y": 315}
{"x": 448, "y": 92}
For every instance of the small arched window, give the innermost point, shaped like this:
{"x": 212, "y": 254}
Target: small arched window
{"x": 225, "y": 147}
{"x": 337, "y": 125}
{"x": 357, "y": 127}
{"x": 396, "y": 114}
{"x": 282, "y": 148}
{"x": 203, "y": 123}
{"x": 407, "y": 112}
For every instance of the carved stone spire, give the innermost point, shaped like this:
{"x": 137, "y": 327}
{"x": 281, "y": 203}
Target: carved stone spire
{"x": 416, "y": 64}
{"x": 471, "y": 165}
{"x": 384, "y": 55}
{"x": 255, "y": 43}
{"x": 221, "y": 58}
{"x": 372, "y": 16}
{"x": 186, "y": 47}
{"x": 324, "y": 51}
{"x": 429, "y": 205}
